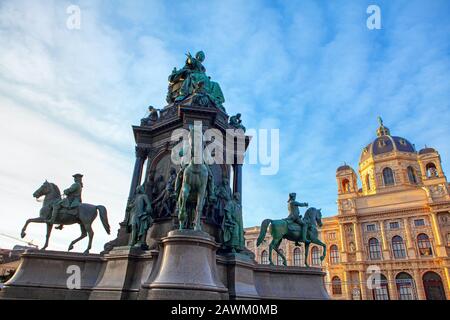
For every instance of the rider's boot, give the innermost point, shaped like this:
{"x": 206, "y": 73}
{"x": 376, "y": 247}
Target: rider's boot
{"x": 54, "y": 214}
{"x": 303, "y": 236}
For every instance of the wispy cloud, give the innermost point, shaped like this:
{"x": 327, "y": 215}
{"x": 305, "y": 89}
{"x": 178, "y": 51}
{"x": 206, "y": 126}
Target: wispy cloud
{"x": 310, "y": 68}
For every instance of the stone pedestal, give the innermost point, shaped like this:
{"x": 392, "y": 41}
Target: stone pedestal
{"x": 186, "y": 269}
{"x": 121, "y": 278}
{"x": 240, "y": 278}
{"x": 46, "y": 274}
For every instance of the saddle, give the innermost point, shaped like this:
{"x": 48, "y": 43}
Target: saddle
{"x": 292, "y": 226}
{"x": 72, "y": 212}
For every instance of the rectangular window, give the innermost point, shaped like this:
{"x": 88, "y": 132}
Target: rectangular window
{"x": 332, "y": 236}
{"x": 394, "y": 225}
{"x": 419, "y": 222}
{"x": 370, "y": 227}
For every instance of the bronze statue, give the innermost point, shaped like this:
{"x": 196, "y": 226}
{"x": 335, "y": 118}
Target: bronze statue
{"x": 152, "y": 117}
{"x": 236, "y": 122}
{"x": 294, "y": 214}
{"x": 193, "y": 187}
{"x": 223, "y": 194}
{"x": 84, "y": 215}
{"x": 140, "y": 218}
{"x": 184, "y": 82}
{"x": 166, "y": 201}
{"x": 232, "y": 226}
{"x": 72, "y": 199}
{"x": 281, "y": 229}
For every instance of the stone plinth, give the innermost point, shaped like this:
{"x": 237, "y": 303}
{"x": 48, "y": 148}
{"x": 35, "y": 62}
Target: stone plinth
{"x": 186, "y": 269}
{"x": 290, "y": 283}
{"x": 122, "y": 274}
{"x": 45, "y": 275}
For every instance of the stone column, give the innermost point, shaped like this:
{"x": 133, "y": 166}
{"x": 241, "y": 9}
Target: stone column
{"x": 343, "y": 244}
{"x": 409, "y": 241}
{"x": 392, "y": 286}
{"x": 419, "y": 285}
{"x": 347, "y": 286}
{"x": 141, "y": 155}
{"x": 363, "y": 285}
{"x": 440, "y": 249}
{"x": 446, "y": 281}
{"x": 237, "y": 178}
{"x": 358, "y": 242}
{"x": 384, "y": 244}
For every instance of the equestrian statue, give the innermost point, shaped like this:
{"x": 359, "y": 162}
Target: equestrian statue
{"x": 294, "y": 228}
{"x": 194, "y": 183}
{"x": 67, "y": 211}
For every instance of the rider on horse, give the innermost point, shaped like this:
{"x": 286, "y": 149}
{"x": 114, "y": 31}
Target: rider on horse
{"x": 294, "y": 215}
{"x": 72, "y": 200}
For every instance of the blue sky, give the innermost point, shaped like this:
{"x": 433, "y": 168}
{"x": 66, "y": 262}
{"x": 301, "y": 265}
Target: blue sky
{"x": 310, "y": 68}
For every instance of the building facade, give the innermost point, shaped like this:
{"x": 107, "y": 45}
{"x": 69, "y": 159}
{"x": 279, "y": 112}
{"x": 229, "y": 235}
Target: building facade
{"x": 391, "y": 238}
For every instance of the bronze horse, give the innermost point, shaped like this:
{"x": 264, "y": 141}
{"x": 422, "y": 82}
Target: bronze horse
{"x": 85, "y": 215}
{"x": 280, "y": 230}
{"x": 193, "y": 189}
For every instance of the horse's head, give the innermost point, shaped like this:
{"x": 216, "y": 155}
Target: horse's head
{"x": 319, "y": 217}
{"x": 49, "y": 190}
{"x": 43, "y": 190}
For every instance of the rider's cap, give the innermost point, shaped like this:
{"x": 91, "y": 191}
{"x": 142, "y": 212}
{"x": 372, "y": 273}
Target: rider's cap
{"x": 77, "y": 175}
{"x": 292, "y": 195}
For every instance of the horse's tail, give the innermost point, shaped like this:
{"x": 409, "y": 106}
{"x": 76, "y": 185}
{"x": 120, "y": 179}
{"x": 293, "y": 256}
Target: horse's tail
{"x": 104, "y": 218}
{"x": 262, "y": 232}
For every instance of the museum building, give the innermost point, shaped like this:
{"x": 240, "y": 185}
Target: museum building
{"x": 391, "y": 238}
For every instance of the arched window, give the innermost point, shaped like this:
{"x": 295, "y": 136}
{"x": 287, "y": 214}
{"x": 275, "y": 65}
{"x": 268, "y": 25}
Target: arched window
{"x": 264, "y": 257}
{"x": 434, "y": 288}
{"x": 279, "y": 258}
{"x": 424, "y": 245}
{"x": 405, "y": 286}
{"x": 298, "y": 257}
{"x": 368, "y": 182}
{"x": 315, "y": 256}
{"x": 411, "y": 175}
{"x": 374, "y": 249}
{"x": 388, "y": 177}
{"x": 398, "y": 247}
{"x": 336, "y": 286}
{"x": 345, "y": 185}
{"x": 431, "y": 170}
{"x": 381, "y": 289}
{"x": 334, "y": 254}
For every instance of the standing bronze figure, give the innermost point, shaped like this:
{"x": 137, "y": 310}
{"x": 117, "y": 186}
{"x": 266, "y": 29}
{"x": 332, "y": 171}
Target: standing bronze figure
{"x": 84, "y": 214}
{"x": 140, "y": 218}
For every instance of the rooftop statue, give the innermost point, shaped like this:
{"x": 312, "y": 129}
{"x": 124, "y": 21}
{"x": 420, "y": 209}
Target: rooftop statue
{"x": 192, "y": 80}
{"x": 236, "y": 122}
{"x": 152, "y": 117}
{"x": 67, "y": 211}
{"x": 293, "y": 228}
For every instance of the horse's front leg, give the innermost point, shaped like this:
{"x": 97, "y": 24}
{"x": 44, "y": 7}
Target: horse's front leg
{"x": 182, "y": 215}
{"x": 199, "y": 210}
{"x": 306, "y": 253}
{"x": 323, "y": 245}
{"x": 47, "y": 236}
{"x": 34, "y": 220}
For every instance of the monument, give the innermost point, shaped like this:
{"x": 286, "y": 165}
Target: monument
{"x": 182, "y": 234}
